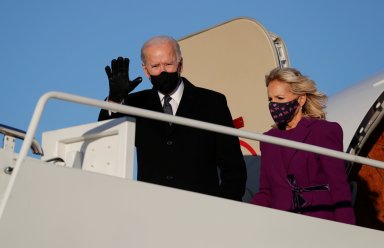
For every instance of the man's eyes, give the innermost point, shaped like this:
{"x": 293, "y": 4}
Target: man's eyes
{"x": 166, "y": 65}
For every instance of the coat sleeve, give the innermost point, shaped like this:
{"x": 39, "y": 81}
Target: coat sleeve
{"x": 331, "y": 136}
{"x": 106, "y": 115}
{"x": 263, "y": 196}
{"x": 233, "y": 174}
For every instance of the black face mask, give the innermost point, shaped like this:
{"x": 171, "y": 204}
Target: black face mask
{"x": 166, "y": 82}
{"x": 283, "y": 112}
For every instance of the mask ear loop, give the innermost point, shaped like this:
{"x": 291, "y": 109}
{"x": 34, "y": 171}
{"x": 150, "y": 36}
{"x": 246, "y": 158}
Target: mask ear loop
{"x": 301, "y": 102}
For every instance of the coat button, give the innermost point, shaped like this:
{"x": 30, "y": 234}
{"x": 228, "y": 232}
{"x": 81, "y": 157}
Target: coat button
{"x": 169, "y": 177}
{"x": 169, "y": 142}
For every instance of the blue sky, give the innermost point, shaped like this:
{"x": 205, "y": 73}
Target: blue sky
{"x": 65, "y": 45}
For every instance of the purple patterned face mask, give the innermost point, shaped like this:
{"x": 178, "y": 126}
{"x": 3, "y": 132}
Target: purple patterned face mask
{"x": 283, "y": 112}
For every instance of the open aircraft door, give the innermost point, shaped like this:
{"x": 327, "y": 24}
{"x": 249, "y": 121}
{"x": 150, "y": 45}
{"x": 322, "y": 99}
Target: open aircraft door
{"x": 359, "y": 110}
{"x": 233, "y": 58}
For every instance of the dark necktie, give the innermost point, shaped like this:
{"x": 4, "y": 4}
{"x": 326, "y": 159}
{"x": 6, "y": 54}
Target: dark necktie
{"x": 167, "y": 106}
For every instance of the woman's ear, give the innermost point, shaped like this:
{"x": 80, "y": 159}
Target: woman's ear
{"x": 302, "y": 100}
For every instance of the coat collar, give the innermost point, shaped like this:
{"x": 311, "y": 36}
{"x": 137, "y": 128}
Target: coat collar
{"x": 300, "y": 134}
{"x": 186, "y": 104}
{"x": 187, "y": 100}
{"x": 154, "y": 102}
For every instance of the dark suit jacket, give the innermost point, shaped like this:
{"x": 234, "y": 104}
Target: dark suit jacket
{"x": 309, "y": 169}
{"x": 183, "y": 157}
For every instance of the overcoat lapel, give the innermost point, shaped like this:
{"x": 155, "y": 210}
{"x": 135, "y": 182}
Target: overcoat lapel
{"x": 153, "y": 102}
{"x": 188, "y": 101}
{"x": 301, "y": 134}
{"x": 186, "y": 105}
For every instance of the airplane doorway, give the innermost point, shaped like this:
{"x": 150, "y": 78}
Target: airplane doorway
{"x": 369, "y": 197}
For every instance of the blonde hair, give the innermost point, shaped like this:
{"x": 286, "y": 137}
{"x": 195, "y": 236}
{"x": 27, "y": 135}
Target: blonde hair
{"x": 301, "y": 85}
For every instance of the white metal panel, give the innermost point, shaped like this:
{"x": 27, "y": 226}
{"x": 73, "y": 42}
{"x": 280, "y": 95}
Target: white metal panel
{"x": 105, "y": 147}
{"x": 7, "y": 162}
{"x": 52, "y": 206}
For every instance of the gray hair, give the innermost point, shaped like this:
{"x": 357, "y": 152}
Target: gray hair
{"x": 161, "y": 39}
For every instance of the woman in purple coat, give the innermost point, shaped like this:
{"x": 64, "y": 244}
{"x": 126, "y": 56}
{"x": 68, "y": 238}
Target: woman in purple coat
{"x": 295, "y": 180}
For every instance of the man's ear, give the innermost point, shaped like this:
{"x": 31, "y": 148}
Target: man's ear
{"x": 181, "y": 66}
{"x": 145, "y": 70}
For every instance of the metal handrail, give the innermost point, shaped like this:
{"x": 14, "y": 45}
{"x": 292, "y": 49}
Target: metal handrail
{"x": 167, "y": 118}
{"x": 20, "y": 134}
{"x": 182, "y": 121}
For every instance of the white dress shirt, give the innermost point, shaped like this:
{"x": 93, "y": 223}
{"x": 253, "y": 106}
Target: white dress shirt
{"x": 176, "y": 97}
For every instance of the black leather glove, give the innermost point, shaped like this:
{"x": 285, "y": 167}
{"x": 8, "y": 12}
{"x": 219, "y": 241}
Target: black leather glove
{"x": 119, "y": 84}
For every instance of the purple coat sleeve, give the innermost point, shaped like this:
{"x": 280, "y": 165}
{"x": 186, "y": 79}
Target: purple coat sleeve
{"x": 330, "y": 135}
